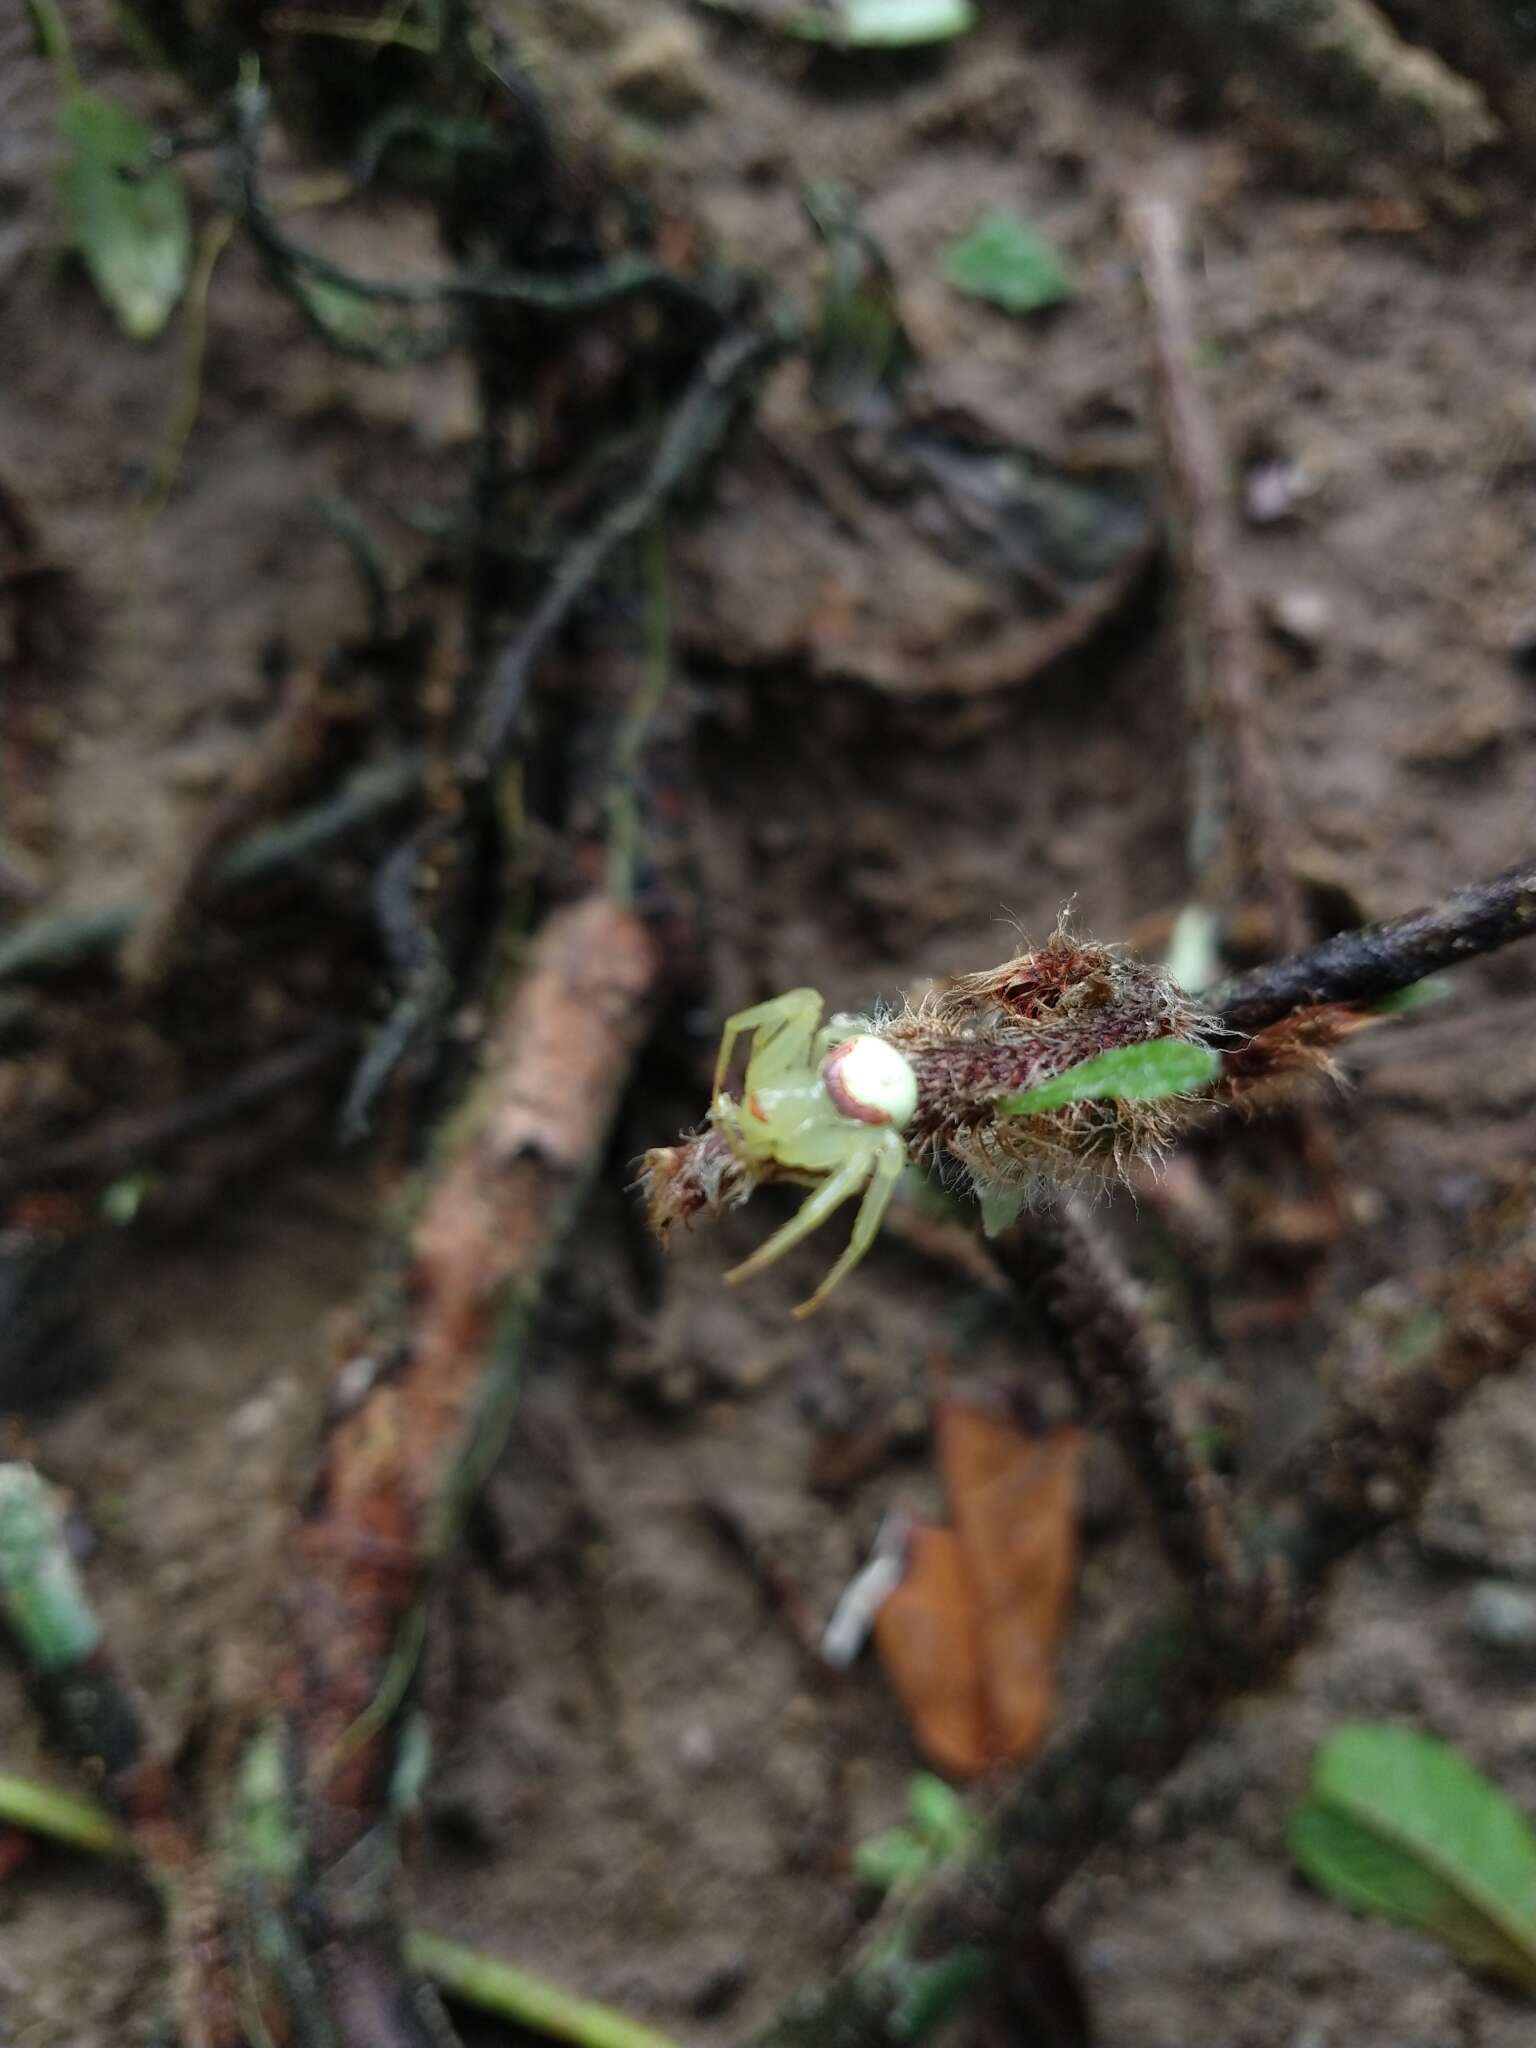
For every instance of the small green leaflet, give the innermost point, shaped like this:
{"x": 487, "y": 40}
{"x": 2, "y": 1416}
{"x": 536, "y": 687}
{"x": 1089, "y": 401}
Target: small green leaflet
{"x": 935, "y": 1992}
{"x": 940, "y": 1816}
{"x": 942, "y": 1826}
{"x": 1007, "y": 262}
{"x": 351, "y": 324}
{"x": 1128, "y": 1073}
{"x": 128, "y": 215}
{"x": 1397, "y": 1823}
{"x": 1418, "y": 995}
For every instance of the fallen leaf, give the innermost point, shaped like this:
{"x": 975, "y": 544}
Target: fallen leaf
{"x": 923, "y": 558}
{"x": 1014, "y": 1502}
{"x": 969, "y": 1637}
{"x": 926, "y": 1635}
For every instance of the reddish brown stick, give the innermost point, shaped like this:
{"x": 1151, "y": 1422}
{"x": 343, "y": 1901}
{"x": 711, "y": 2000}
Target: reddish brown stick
{"x": 403, "y": 1453}
{"x": 1236, "y": 806}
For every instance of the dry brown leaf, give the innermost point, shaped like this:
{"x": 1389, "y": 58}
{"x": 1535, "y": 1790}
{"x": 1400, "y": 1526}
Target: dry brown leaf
{"x": 969, "y": 1638}
{"x": 1014, "y": 1502}
{"x": 926, "y": 1635}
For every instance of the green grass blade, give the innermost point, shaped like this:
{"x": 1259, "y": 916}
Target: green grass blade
{"x": 59, "y": 1817}
{"x": 533, "y": 2002}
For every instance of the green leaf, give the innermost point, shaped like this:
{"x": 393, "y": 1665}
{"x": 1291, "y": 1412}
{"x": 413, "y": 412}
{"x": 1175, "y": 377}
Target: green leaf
{"x": 128, "y": 215}
{"x": 43, "y": 1605}
{"x": 1399, "y": 1824}
{"x": 1418, "y": 995}
{"x": 1007, "y": 262}
{"x": 1002, "y": 1204}
{"x": 894, "y": 1858}
{"x": 1128, "y": 1073}
{"x": 940, "y": 1815}
{"x": 884, "y": 24}
{"x": 935, "y": 1992}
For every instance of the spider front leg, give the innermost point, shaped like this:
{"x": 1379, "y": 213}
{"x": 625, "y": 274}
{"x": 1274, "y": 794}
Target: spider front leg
{"x": 786, "y": 1037}
{"x": 889, "y": 1162}
{"x": 811, "y": 1214}
{"x": 876, "y": 1167}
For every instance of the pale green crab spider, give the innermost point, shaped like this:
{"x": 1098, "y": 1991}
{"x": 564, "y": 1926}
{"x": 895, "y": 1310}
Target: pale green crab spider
{"x": 824, "y": 1106}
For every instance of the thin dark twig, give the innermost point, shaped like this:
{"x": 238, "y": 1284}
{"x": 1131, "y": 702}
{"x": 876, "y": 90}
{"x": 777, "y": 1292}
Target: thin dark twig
{"x": 126, "y": 1138}
{"x": 423, "y": 983}
{"x": 261, "y": 781}
{"x": 1363, "y": 966}
{"x": 690, "y": 435}
{"x": 1235, "y": 806}
{"x": 351, "y": 528}
{"x": 47, "y": 945}
{"x": 578, "y": 291}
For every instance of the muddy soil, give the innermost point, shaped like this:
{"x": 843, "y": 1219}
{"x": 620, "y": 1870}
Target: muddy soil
{"x": 644, "y": 1785}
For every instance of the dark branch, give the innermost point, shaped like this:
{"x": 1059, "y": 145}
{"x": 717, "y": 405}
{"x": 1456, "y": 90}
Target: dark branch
{"x": 47, "y": 945}
{"x": 587, "y": 290}
{"x": 1118, "y": 1360}
{"x": 691, "y": 434}
{"x": 1363, "y": 966}
{"x": 112, "y": 1145}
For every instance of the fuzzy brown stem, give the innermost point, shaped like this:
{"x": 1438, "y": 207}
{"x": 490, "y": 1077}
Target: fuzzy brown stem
{"x": 1119, "y": 1362}
{"x": 1361, "y": 967}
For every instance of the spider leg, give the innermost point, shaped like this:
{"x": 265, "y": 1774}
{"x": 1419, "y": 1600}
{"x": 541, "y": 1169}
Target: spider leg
{"x": 786, "y": 1032}
{"x": 889, "y": 1162}
{"x": 811, "y": 1214}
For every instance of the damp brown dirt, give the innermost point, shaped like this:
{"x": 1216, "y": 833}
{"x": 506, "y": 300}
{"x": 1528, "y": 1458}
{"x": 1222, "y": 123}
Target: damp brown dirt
{"x": 645, "y": 1786}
